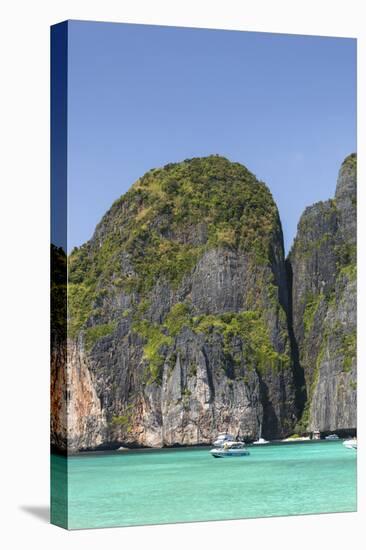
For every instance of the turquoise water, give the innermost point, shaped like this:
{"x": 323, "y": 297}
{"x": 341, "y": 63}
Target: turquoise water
{"x": 182, "y": 485}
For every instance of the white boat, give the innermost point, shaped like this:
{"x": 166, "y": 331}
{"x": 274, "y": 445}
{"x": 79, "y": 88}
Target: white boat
{"x": 331, "y": 437}
{"x": 230, "y": 449}
{"x": 260, "y": 441}
{"x": 350, "y": 444}
{"x": 223, "y": 438}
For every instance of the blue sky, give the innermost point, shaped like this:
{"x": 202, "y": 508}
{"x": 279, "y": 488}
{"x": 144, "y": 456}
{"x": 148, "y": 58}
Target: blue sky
{"x": 142, "y": 96}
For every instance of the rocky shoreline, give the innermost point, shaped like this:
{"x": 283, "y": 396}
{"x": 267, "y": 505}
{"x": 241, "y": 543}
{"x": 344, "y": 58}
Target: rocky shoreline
{"x": 346, "y": 434}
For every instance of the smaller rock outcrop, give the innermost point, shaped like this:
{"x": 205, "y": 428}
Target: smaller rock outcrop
{"x": 323, "y": 266}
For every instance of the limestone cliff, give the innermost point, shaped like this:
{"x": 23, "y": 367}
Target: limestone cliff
{"x": 178, "y": 314}
{"x": 184, "y": 320}
{"x": 322, "y": 265}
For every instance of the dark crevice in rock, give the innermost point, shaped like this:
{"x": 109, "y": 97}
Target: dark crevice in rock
{"x": 299, "y": 375}
{"x": 209, "y": 376}
{"x": 270, "y": 420}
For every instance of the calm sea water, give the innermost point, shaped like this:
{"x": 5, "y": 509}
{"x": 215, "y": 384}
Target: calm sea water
{"x": 183, "y": 485}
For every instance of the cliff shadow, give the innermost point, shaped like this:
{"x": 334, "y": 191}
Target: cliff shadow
{"x": 299, "y": 376}
{"x": 270, "y": 427}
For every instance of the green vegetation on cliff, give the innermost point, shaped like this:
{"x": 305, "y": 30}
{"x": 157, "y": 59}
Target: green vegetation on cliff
{"x": 348, "y": 349}
{"x": 93, "y": 334}
{"x": 311, "y": 306}
{"x": 58, "y": 292}
{"x": 163, "y": 225}
{"x": 249, "y": 326}
{"x": 351, "y": 161}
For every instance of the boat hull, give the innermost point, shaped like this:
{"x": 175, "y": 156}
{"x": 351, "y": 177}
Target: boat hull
{"x": 221, "y": 453}
{"x": 350, "y": 444}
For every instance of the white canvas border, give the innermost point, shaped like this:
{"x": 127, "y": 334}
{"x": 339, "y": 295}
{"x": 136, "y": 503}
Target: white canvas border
{"x": 25, "y": 272}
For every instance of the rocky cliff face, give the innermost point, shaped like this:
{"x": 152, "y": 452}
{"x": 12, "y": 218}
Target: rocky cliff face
{"x": 322, "y": 265}
{"x": 183, "y": 319}
{"x": 178, "y": 309}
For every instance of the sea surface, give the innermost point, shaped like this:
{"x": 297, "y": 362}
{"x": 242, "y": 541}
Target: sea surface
{"x": 185, "y": 485}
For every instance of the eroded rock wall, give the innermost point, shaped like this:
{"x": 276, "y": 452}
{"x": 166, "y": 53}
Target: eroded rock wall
{"x": 323, "y": 265}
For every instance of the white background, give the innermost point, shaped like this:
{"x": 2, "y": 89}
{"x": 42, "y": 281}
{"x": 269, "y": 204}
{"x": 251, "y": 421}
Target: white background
{"x": 24, "y": 233}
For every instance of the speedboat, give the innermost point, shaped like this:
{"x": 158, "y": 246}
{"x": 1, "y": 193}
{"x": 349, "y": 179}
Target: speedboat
{"x": 260, "y": 441}
{"x": 223, "y": 438}
{"x": 331, "y": 437}
{"x": 350, "y": 444}
{"x": 230, "y": 449}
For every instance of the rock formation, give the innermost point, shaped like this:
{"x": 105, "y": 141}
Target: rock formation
{"x": 183, "y": 319}
{"x": 323, "y": 266}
